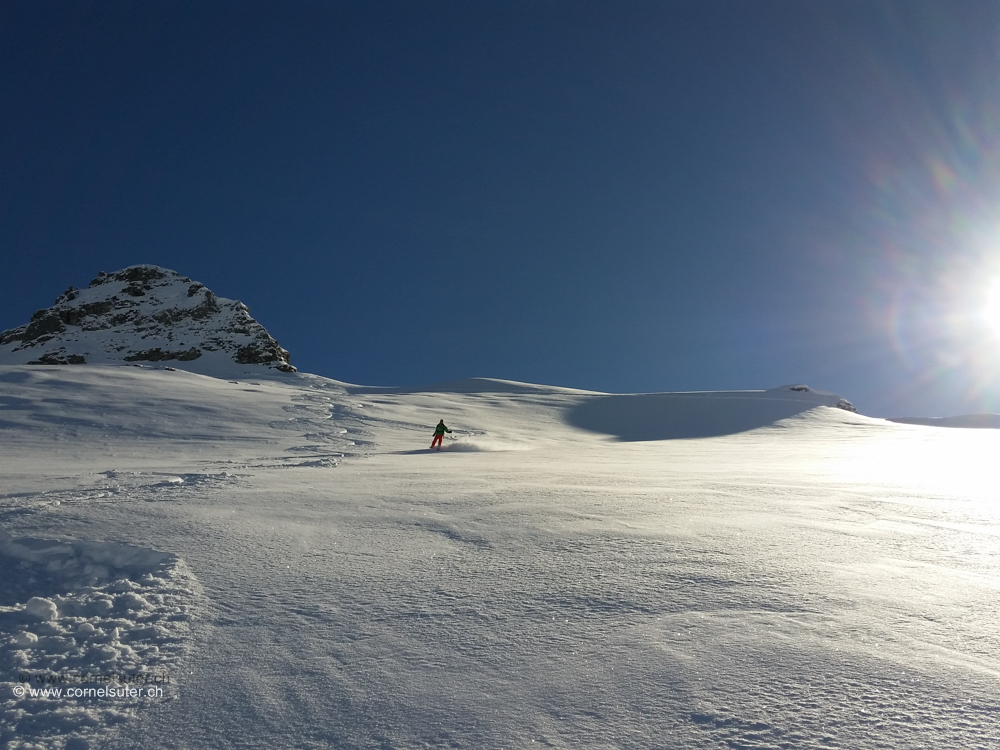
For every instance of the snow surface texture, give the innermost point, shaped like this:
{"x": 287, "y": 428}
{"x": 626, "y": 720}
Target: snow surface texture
{"x": 592, "y": 574}
{"x": 145, "y": 314}
{"x": 95, "y": 614}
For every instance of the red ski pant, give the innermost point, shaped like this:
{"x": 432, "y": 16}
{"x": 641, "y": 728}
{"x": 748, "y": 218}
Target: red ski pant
{"x": 437, "y": 440}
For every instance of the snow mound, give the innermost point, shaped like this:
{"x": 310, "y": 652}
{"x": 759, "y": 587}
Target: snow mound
{"x": 80, "y": 617}
{"x": 145, "y": 314}
{"x": 671, "y": 416}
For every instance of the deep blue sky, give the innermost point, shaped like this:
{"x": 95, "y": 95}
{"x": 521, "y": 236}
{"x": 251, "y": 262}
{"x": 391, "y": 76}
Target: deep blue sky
{"x": 620, "y": 196}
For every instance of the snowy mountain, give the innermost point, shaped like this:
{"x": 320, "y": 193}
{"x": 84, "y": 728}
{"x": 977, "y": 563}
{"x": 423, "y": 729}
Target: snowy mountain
{"x": 145, "y": 314}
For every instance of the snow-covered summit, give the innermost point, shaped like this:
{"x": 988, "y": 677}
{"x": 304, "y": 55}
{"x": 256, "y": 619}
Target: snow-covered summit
{"x": 145, "y": 313}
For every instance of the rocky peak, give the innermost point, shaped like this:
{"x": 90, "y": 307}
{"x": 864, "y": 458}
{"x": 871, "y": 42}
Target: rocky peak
{"x": 144, "y": 314}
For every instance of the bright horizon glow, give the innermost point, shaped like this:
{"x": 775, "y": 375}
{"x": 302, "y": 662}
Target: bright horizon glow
{"x": 992, "y": 310}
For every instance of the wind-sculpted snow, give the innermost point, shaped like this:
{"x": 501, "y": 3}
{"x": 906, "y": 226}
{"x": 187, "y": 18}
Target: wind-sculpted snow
{"x": 78, "y": 617}
{"x": 564, "y": 574}
{"x": 62, "y": 410}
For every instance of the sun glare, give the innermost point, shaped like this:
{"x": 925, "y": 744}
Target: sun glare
{"x": 992, "y": 311}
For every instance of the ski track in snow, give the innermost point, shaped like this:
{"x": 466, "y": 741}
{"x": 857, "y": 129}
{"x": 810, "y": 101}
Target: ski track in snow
{"x": 289, "y": 553}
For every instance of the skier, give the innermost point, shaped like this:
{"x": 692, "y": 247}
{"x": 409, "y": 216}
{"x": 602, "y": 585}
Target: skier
{"x": 439, "y": 432}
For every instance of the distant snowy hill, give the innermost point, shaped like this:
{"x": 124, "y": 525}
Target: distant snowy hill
{"x": 145, "y": 314}
{"x": 980, "y": 421}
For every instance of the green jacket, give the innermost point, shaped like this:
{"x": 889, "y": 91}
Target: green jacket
{"x": 441, "y": 429}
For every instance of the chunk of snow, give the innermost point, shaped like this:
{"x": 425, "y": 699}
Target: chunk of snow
{"x": 26, "y": 639}
{"x": 42, "y": 608}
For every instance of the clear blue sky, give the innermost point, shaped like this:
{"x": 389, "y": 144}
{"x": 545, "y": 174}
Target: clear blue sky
{"x": 620, "y": 196}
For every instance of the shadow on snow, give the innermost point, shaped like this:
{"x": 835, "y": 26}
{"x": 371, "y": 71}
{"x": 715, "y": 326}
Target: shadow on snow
{"x": 675, "y": 416}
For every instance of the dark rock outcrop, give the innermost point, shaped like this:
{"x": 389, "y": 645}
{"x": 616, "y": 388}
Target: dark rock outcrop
{"x": 56, "y": 359}
{"x": 143, "y": 314}
{"x": 158, "y": 355}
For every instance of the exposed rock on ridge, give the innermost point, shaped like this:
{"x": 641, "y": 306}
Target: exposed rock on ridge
{"x": 143, "y": 314}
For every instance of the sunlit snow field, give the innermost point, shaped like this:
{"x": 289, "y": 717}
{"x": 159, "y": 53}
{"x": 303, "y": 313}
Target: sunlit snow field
{"x": 574, "y": 570}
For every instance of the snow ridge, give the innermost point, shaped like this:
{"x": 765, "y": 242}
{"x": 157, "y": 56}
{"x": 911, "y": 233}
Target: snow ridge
{"x": 144, "y": 313}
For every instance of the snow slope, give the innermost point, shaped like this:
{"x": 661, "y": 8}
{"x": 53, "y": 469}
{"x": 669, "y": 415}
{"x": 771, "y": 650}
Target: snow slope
{"x": 575, "y": 570}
